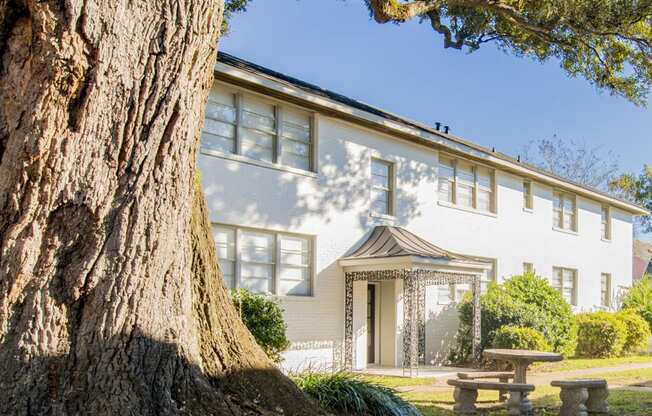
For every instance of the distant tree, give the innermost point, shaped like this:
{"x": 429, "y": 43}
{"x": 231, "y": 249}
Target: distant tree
{"x": 638, "y": 189}
{"x": 608, "y": 42}
{"x": 573, "y": 160}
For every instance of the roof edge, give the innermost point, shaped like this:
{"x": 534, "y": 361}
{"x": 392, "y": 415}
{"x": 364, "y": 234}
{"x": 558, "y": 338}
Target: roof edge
{"x": 405, "y": 126}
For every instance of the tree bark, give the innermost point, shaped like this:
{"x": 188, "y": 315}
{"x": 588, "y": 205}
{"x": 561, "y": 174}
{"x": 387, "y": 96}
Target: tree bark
{"x": 111, "y": 301}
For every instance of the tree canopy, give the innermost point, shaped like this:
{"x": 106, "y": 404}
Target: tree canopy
{"x": 577, "y": 161}
{"x": 608, "y": 42}
{"x": 638, "y": 189}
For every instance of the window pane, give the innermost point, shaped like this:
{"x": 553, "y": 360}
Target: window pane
{"x": 484, "y": 200}
{"x": 445, "y": 190}
{"x": 446, "y": 169}
{"x": 295, "y": 153}
{"x": 295, "y": 266}
{"x": 569, "y": 220}
{"x": 556, "y": 278}
{"x": 379, "y": 201}
{"x": 225, "y": 248}
{"x": 255, "y": 285}
{"x": 527, "y": 194}
{"x": 257, "y": 145}
{"x": 464, "y": 195}
{"x": 557, "y": 201}
{"x": 257, "y": 247}
{"x": 556, "y": 218}
{"x": 465, "y": 173}
{"x": 380, "y": 169}
{"x": 484, "y": 178}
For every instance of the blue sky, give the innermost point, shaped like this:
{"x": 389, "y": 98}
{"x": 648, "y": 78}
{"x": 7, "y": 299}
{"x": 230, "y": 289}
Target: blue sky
{"x": 489, "y": 97}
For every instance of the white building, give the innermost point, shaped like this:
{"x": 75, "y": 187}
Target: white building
{"x": 297, "y": 178}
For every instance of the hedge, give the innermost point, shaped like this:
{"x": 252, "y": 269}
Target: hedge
{"x": 639, "y": 299}
{"x": 600, "y": 335}
{"x": 264, "y": 319}
{"x": 519, "y": 338}
{"x": 637, "y": 330}
{"x": 522, "y": 301}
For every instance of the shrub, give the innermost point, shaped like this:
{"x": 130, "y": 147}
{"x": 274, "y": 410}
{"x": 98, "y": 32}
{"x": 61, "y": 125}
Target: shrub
{"x": 600, "y": 335}
{"x": 522, "y": 301}
{"x": 637, "y": 331}
{"x": 264, "y": 319}
{"x": 639, "y": 299}
{"x": 518, "y": 338}
{"x": 346, "y": 394}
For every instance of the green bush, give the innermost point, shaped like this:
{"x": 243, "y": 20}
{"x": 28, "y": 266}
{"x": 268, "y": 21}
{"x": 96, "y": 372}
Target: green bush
{"x": 346, "y": 394}
{"x": 639, "y": 299}
{"x": 518, "y": 338}
{"x": 264, "y": 319}
{"x": 522, "y": 301}
{"x": 637, "y": 330}
{"x": 600, "y": 335}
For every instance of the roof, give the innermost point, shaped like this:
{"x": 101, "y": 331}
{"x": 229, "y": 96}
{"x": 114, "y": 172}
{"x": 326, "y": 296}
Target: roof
{"x": 642, "y": 257}
{"x": 242, "y": 64}
{"x": 389, "y": 241}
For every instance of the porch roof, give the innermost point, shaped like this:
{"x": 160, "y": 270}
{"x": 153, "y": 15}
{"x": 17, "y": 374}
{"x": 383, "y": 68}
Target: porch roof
{"x": 390, "y": 242}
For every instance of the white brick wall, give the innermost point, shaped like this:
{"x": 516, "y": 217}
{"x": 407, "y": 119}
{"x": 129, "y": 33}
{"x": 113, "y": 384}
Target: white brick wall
{"x": 334, "y": 206}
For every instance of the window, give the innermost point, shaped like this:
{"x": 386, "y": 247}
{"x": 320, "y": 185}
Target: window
{"x": 382, "y": 184}
{"x": 528, "y": 268}
{"x": 246, "y": 125}
{"x": 564, "y": 214}
{"x": 606, "y": 223}
{"x": 465, "y": 184}
{"x": 605, "y": 290}
{"x": 565, "y": 282}
{"x": 528, "y": 197}
{"x": 264, "y": 262}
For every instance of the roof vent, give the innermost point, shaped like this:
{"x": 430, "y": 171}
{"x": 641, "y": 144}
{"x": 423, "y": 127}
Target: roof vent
{"x": 437, "y": 126}
{"x": 446, "y": 129}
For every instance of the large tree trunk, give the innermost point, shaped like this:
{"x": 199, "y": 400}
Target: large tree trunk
{"x": 110, "y": 297}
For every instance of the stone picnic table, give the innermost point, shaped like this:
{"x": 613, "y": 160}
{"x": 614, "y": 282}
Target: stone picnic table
{"x": 521, "y": 360}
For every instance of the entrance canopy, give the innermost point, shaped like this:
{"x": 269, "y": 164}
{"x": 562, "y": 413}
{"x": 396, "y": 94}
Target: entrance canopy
{"x": 391, "y": 253}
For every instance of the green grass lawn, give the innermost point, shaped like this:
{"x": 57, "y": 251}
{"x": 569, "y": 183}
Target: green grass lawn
{"x": 586, "y": 363}
{"x": 436, "y": 400}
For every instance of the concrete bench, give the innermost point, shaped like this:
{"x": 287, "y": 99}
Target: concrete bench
{"x": 502, "y": 376}
{"x": 582, "y": 397}
{"x": 466, "y": 394}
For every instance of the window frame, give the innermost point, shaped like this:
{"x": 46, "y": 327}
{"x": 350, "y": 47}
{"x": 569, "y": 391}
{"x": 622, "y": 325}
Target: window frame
{"x": 476, "y": 187}
{"x": 530, "y": 266}
{"x": 607, "y": 233}
{"x": 606, "y": 303}
{"x": 574, "y": 293}
{"x": 528, "y": 197}
{"x": 564, "y": 195}
{"x": 279, "y": 107}
{"x": 277, "y": 263}
{"x": 391, "y": 190}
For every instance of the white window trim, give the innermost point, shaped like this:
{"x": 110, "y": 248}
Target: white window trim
{"x": 555, "y": 227}
{"x": 609, "y": 291}
{"x": 276, "y": 155}
{"x": 534, "y": 270}
{"x": 493, "y": 212}
{"x": 277, "y": 264}
{"x": 609, "y": 224}
{"x": 530, "y": 199}
{"x": 391, "y": 215}
{"x": 576, "y": 279}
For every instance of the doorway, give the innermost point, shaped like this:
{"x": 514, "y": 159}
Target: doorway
{"x": 371, "y": 323}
